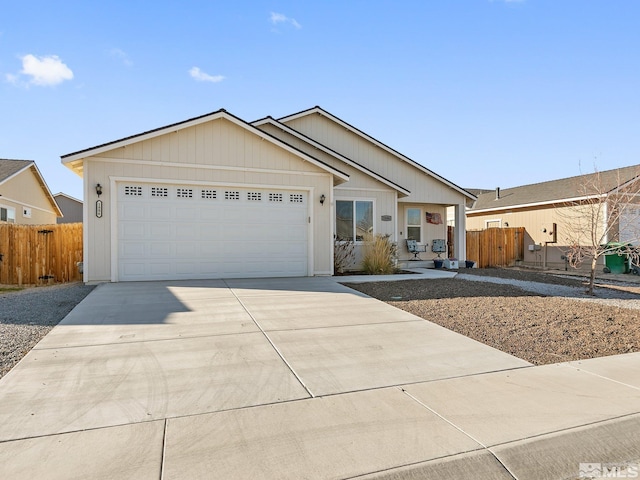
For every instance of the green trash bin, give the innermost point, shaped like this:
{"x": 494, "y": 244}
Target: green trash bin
{"x": 616, "y": 263}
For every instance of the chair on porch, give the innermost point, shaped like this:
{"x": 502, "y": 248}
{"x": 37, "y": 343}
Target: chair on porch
{"x": 413, "y": 247}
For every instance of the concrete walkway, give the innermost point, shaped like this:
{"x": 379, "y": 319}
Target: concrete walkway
{"x": 298, "y": 378}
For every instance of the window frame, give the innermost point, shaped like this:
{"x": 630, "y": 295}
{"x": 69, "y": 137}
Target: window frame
{"x": 408, "y": 225}
{"x": 7, "y": 209}
{"x": 354, "y": 201}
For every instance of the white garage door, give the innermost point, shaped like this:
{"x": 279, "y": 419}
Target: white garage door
{"x": 168, "y": 232}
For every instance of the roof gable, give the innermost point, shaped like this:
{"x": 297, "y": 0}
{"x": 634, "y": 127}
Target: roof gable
{"x": 75, "y": 160}
{"x": 399, "y": 156}
{"x": 554, "y": 191}
{"x": 272, "y": 121}
{"x": 11, "y": 168}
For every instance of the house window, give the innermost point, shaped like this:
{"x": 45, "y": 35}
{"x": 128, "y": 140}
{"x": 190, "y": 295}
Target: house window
{"x": 229, "y": 195}
{"x": 8, "y": 214}
{"x": 275, "y": 197}
{"x": 414, "y": 224}
{"x": 295, "y": 198}
{"x": 254, "y": 196}
{"x": 493, "y": 223}
{"x": 184, "y": 192}
{"x": 354, "y": 219}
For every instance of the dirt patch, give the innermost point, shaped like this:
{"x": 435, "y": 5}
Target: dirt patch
{"x": 535, "y": 328}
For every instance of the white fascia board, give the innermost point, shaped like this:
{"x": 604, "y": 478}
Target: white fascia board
{"x": 265, "y": 136}
{"x": 17, "y": 173}
{"x": 333, "y": 153}
{"x": 191, "y": 123}
{"x": 536, "y": 204}
{"x": 381, "y": 145}
{"x": 139, "y": 138}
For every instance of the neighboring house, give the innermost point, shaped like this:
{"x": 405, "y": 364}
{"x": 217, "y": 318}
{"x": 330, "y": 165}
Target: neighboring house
{"x": 71, "y": 208}
{"x": 24, "y": 195}
{"x": 544, "y": 210}
{"x": 217, "y": 197}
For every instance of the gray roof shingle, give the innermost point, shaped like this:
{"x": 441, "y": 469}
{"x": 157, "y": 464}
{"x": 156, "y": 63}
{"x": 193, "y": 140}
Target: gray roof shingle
{"x": 555, "y": 190}
{"x": 11, "y": 167}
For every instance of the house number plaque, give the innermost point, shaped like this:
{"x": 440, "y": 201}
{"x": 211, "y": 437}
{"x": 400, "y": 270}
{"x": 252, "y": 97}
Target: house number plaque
{"x": 99, "y": 208}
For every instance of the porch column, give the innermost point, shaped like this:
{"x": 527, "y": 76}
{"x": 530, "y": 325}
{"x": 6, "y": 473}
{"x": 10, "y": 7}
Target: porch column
{"x": 460, "y": 234}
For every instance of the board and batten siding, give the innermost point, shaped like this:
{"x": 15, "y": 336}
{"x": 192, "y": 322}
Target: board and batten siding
{"x": 360, "y": 184}
{"x": 423, "y": 187}
{"x": 213, "y": 153}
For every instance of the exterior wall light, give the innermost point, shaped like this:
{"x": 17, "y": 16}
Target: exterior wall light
{"x": 99, "y": 189}
{"x": 322, "y": 199}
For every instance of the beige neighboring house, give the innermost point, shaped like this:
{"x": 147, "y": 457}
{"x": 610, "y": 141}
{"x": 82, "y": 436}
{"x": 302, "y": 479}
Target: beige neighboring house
{"x": 542, "y": 209}
{"x": 217, "y": 197}
{"x": 71, "y": 208}
{"x": 25, "y": 198}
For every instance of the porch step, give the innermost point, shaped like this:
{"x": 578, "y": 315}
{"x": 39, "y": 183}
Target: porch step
{"x": 415, "y": 264}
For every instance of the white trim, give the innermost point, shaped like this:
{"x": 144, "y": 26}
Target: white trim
{"x": 113, "y": 205}
{"x": 197, "y": 166}
{"x": 406, "y": 222}
{"x": 9, "y": 209}
{"x": 359, "y": 189}
{"x": 92, "y": 152}
{"x": 378, "y": 144}
{"x": 325, "y": 149}
{"x": 373, "y": 213}
{"x": 86, "y": 262}
{"x": 493, "y": 220}
{"x": 559, "y": 202}
{"x": 18, "y": 202}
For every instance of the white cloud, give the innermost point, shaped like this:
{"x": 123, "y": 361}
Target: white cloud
{"x": 200, "y": 76}
{"x": 42, "y": 71}
{"x": 45, "y": 71}
{"x": 121, "y": 55}
{"x": 277, "y": 18}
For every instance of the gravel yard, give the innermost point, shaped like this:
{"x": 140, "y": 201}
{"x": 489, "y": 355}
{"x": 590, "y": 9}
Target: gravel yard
{"x": 538, "y": 317}
{"x": 27, "y": 315}
{"x": 545, "y": 319}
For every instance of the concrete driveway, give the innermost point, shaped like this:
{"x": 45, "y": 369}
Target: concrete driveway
{"x": 298, "y": 378}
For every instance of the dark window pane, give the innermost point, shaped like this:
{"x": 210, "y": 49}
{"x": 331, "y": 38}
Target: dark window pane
{"x": 364, "y": 219}
{"x": 344, "y": 220}
{"x": 413, "y": 233}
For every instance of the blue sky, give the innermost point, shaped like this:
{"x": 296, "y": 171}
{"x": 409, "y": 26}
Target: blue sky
{"x": 484, "y": 92}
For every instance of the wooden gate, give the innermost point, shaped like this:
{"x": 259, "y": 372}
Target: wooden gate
{"x": 496, "y": 247}
{"x": 37, "y": 254}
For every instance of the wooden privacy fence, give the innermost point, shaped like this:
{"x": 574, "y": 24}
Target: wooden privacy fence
{"x": 496, "y": 247}
{"x": 37, "y": 254}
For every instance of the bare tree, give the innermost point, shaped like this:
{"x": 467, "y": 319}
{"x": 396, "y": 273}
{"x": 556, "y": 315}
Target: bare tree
{"x": 603, "y": 219}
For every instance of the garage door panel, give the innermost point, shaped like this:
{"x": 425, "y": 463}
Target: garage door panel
{"x": 214, "y": 233}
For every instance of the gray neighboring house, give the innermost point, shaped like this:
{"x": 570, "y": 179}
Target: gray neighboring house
{"x": 71, "y": 208}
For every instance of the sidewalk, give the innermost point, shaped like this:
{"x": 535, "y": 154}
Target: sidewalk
{"x": 298, "y": 378}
